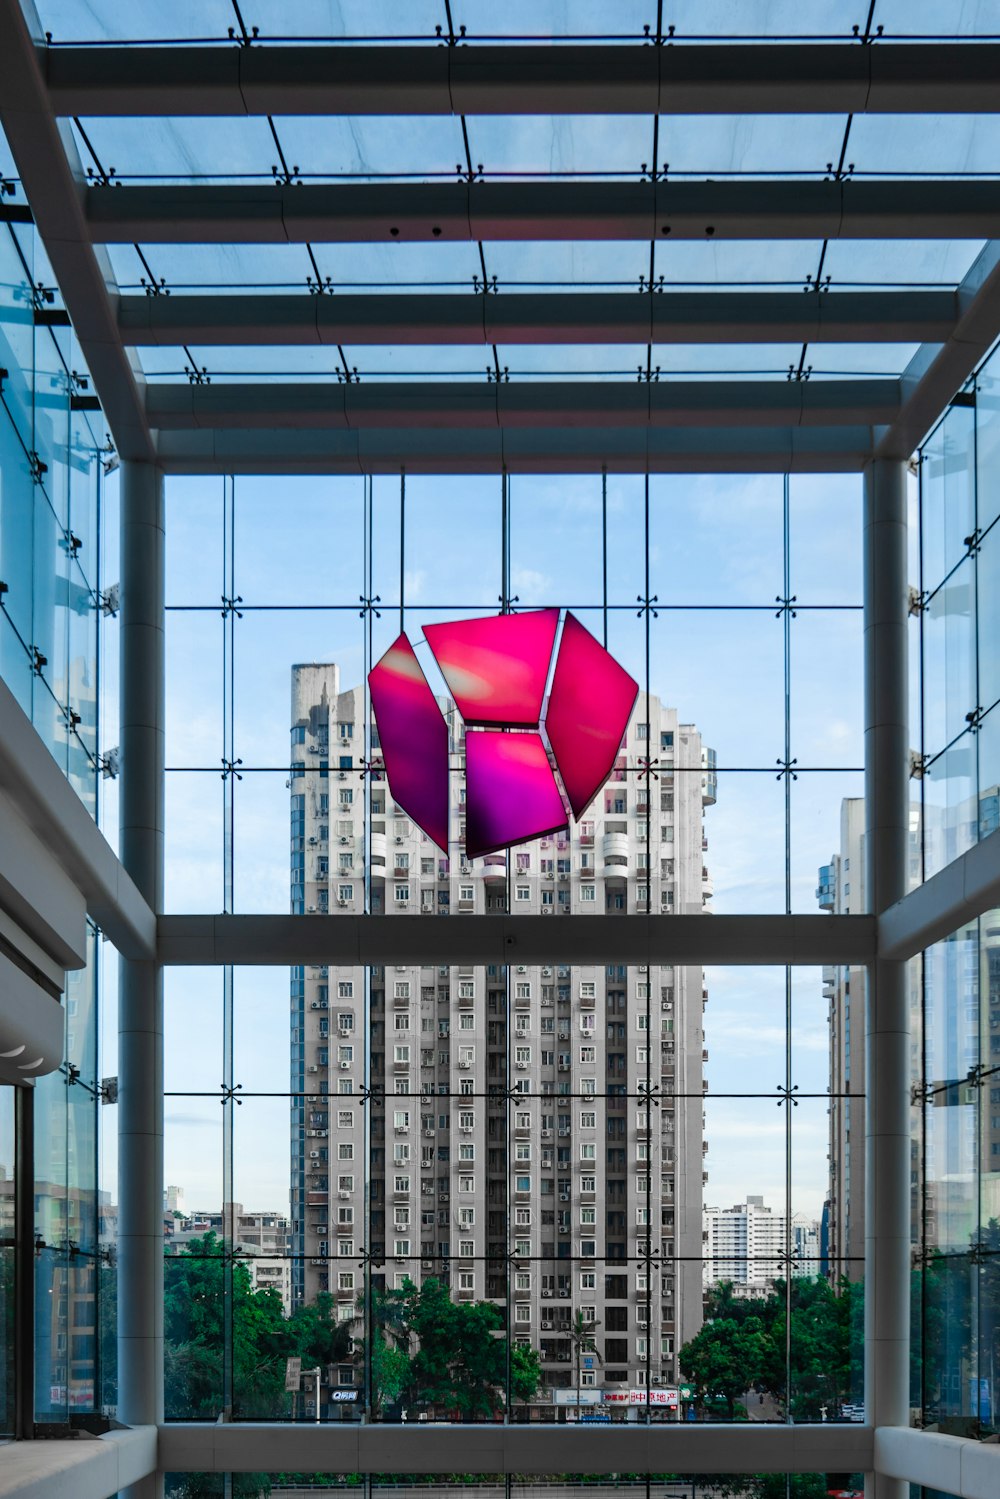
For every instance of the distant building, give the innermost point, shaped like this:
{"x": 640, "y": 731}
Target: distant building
{"x": 749, "y": 1245}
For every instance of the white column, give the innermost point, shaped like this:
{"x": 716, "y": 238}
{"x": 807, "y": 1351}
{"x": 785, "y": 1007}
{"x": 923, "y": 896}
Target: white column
{"x": 140, "y": 1021}
{"x": 887, "y": 1059}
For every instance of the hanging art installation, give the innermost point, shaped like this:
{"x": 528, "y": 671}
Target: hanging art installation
{"x": 496, "y": 669}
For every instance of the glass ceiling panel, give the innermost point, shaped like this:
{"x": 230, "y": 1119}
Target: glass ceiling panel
{"x": 361, "y": 146}
{"x": 214, "y": 268}
{"x": 561, "y": 145}
{"x": 860, "y": 359}
{"x": 899, "y": 262}
{"x": 110, "y": 20}
{"x": 418, "y": 361}
{"x": 215, "y": 150}
{"x": 553, "y": 18}
{"x": 757, "y": 145}
{"x": 400, "y": 267}
{"x": 945, "y": 144}
{"x": 745, "y": 360}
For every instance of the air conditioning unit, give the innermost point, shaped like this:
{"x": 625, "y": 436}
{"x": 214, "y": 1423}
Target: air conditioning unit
{"x": 521, "y": 1032}
{"x": 310, "y": 909}
{"x": 345, "y": 1065}
{"x": 322, "y": 1133}
{"x": 564, "y": 1197}
{"x": 643, "y": 968}
{"x": 398, "y": 839}
{"x": 546, "y": 1134}
{"x": 546, "y": 973}
{"x": 428, "y": 1134}
{"x": 341, "y": 903}
{"x": 656, "y": 1379}
{"x": 465, "y": 1065}
{"x": 564, "y": 1293}
{"x": 345, "y": 839}
{"x": 521, "y": 968}
{"x": 312, "y": 1068}
{"x": 314, "y": 1005}
{"x": 546, "y": 1324}
{"x": 341, "y": 775}
{"x": 466, "y": 1129}
{"x": 312, "y": 840}
{"x": 314, "y": 1155}
{"x": 642, "y": 1326}
{"x": 563, "y": 1229}
{"x": 344, "y": 1196}
{"x": 546, "y": 1293}
{"x": 522, "y": 1067}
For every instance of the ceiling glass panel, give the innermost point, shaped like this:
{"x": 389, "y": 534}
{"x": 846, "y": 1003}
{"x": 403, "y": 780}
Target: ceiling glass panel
{"x": 586, "y": 266}
{"x": 745, "y": 360}
{"x": 860, "y": 359}
{"x": 400, "y": 267}
{"x": 344, "y": 18}
{"x": 215, "y": 268}
{"x": 761, "y": 145}
{"x": 947, "y": 144}
{"x": 214, "y": 150}
{"x": 561, "y": 145}
{"x": 899, "y": 262}
{"x": 553, "y": 18}
{"x": 616, "y": 361}
{"x": 109, "y": 20}
{"x": 361, "y": 146}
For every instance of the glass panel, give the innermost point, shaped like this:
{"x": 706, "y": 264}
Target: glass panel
{"x": 8, "y": 1289}
{"x": 949, "y": 659}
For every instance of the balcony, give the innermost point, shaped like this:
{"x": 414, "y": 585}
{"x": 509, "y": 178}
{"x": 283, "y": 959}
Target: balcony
{"x": 378, "y": 850}
{"x": 495, "y": 869}
{"x": 615, "y": 848}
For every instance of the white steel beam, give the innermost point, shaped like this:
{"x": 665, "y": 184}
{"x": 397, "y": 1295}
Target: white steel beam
{"x": 956, "y": 895}
{"x": 523, "y": 403}
{"x": 48, "y": 804}
{"x": 364, "y": 940}
{"x": 399, "y": 212}
{"x": 510, "y": 318}
{"x": 684, "y": 78}
{"x": 556, "y": 450}
{"x": 952, "y": 1465}
{"x": 938, "y": 370}
{"x": 54, "y": 181}
{"x": 343, "y": 1447}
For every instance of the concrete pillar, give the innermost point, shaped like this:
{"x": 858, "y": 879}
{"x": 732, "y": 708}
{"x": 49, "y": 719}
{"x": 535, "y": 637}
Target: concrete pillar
{"x": 887, "y": 1052}
{"x": 140, "y": 1020}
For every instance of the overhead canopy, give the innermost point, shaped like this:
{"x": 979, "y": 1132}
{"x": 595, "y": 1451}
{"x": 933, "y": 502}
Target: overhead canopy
{"x": 528, "y": 250}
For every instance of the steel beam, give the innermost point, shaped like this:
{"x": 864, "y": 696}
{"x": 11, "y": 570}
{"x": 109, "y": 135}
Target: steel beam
{"x": 350, "y": 212}
{"x": 496, "y": 450}
{"x": 768, "y": 78}
{"x": 937, "y": 371}
{"x": 362, "y": 940}
{"x": 534, "y": 318}
{"x": 966, "y": 888}
{"x": 53, "y": 180}
{"x": 538, "y": 404}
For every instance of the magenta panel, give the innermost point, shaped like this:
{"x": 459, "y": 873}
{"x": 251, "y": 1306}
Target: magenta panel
{"x": 511, "y": 793}
{"x": 496, "y": 668}
{"x": 589, "y": 706}
{"x": 414, "y": 739}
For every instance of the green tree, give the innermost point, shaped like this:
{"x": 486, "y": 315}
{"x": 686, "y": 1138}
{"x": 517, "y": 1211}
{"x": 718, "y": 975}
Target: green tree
{"x": 461, "y": 1359}
{"x": 725, "y": 1359}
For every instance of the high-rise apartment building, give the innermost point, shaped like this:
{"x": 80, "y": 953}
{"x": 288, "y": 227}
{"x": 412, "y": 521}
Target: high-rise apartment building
{"x": 749, "y": 1245}
{"x": 509, "y": 1146}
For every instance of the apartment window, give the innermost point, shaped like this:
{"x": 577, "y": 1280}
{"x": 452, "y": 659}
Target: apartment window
{"x": 522, "y": 1152}
{"x": 402, "y": 894}
{"x": 466, "y": 1249}
{"x": 466, "y": 989}
{"x": 401, "y": 1247}
{"x": 588, "y": 1119}
{"x": 587, "y": 1054}
{"x": 467, "y": 1022}
{"x": 588, "y": 1280}
{"x": 588, "y": 1217}
{"x": 346, "y": 1249}
{"x": 588, "y": 1183}
{"x": 345, "y": 796}
{"x": 523, "y": 1184}
{"x": 345, "y": 1119}
{"x": 401, "y": 1020}
{"x": 523, "y": 892}
{"x": 466, "y": 1280}
{"x": 466, "y": 1217}
{"x": 466, "y": 1183}
{"x": 401, "y": 989}
{"x": 345, "y": 989}
{"x": 466, "y": 1152}
{"x": 401, "y": 1054}
{"x": 588, "y": 1152}
{"x": 345, "y": 893}
{"x": 345, "y": 1151}
{"x": 401, "y": 1184}
{"x": 522, "y": 990}
{"x": 588, "y": 895}
{"x": 401, "y": 1119}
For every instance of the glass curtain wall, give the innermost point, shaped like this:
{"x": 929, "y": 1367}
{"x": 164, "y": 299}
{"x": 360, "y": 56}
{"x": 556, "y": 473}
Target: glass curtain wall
{"x": 57, "y": 618}
{"x": 506, "y": 1173}
{"x": 956, "y": 985}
